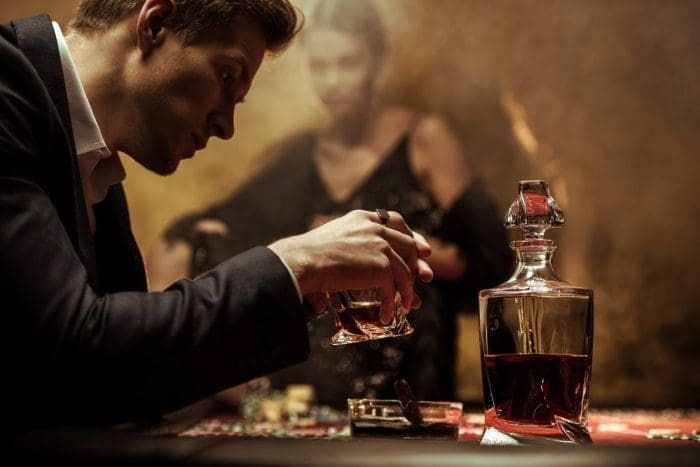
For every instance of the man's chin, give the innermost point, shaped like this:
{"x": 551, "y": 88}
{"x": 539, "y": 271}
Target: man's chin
{"x": 168, "y": 168}
{"x": 159, "y": 165}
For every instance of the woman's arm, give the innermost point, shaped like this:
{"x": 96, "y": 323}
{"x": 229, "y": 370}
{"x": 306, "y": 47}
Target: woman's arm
{"x": 471, "y": 243}
{"x": 438, "y": 161}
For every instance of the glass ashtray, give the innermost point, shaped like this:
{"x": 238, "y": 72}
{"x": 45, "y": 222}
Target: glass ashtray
{"x": 384, "y": 418}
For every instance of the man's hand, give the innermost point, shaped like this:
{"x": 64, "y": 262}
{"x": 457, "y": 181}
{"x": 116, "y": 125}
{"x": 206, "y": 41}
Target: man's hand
{"x": 356, "y": 251}
{"x": 319, "y": 219}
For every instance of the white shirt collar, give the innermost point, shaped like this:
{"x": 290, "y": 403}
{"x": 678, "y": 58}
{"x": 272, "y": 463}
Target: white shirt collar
{"x": 86, "y": 131}
{"x": 99, "y": 167}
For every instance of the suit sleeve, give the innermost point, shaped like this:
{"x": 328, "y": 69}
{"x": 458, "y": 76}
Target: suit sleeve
{"x": 78, "y": 358}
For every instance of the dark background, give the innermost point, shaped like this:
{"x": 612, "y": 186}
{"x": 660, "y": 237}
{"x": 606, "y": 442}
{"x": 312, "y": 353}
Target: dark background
{"x": 600, "y": 98}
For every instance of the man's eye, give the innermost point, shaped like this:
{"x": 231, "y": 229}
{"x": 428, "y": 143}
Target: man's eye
{"x": 230, "y": 76}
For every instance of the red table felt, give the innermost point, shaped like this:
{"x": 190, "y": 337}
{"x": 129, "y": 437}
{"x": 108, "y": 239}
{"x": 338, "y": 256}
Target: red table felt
{"x": 606, "y": 427}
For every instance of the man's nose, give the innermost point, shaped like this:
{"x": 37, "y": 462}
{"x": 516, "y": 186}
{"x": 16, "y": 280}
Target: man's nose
{"x": 221, "y": 123}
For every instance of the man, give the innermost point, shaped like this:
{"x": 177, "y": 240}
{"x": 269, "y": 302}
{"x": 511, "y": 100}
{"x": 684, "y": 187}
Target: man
{"x": 154, "y": 79}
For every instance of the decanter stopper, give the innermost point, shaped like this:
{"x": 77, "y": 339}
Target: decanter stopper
{"x": 534, "y": 210}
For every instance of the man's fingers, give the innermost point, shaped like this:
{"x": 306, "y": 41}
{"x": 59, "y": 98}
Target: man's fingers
{"x": 422, "y": 245}
{"x": 319, "y": 302}
{"x": 388, "y": 294}
{"x": 396, "y": 222}
{"x": 403, "y": 278}
{"x": 425, "y": 272}
{"x": 393, "y": 221}
{"x": 417, "y": 302}
{"x": 405, "y": 246}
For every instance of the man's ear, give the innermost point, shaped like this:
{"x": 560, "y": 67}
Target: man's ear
{"x": 150, "y": 22}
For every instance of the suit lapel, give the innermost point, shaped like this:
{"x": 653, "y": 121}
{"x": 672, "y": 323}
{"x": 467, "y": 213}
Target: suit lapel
{"x": 119, "y": 259}
{"x": 36, "y": 39}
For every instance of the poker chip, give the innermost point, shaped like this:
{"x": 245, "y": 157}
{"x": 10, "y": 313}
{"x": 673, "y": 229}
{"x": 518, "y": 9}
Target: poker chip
{"x": 666, "y": 433}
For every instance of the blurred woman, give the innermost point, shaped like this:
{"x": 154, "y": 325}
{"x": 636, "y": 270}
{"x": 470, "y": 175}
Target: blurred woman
{"x": 368, "y": 155}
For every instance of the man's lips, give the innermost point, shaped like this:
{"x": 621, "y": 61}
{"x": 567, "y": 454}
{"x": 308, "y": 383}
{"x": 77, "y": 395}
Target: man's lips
{"x": 197, "y": 144}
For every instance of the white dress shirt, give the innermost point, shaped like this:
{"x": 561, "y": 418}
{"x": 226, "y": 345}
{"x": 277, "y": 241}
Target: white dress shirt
{"x": 99, "y": 167}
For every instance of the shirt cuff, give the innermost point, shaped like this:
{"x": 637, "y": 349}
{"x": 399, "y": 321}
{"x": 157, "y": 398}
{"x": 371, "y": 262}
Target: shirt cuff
{"x": 294, "y": 279}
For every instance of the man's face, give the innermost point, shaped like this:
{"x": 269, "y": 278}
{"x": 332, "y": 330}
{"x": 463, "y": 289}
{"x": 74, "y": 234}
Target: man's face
{"x": 185, "y": 94}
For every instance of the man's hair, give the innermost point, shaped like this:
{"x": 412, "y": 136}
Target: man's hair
{"x": 192, "y": 19}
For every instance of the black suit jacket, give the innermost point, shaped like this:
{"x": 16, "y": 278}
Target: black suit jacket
{"x": 83, "y": 343}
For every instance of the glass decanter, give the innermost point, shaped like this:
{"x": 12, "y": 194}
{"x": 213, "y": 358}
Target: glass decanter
{"x": 536, "y": 334}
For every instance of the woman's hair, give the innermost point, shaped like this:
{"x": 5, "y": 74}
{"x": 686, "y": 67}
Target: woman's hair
{"x": 358, "y": 18}
{"x": 192, "y": 19}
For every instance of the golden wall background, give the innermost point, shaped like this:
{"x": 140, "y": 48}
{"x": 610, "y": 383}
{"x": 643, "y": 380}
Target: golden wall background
{"x": 601, "y": 98}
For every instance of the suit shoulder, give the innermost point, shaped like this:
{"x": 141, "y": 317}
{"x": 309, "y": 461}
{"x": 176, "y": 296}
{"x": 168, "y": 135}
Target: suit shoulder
{"x": 17, "y": 75}
{"x": 26, "y": 124}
